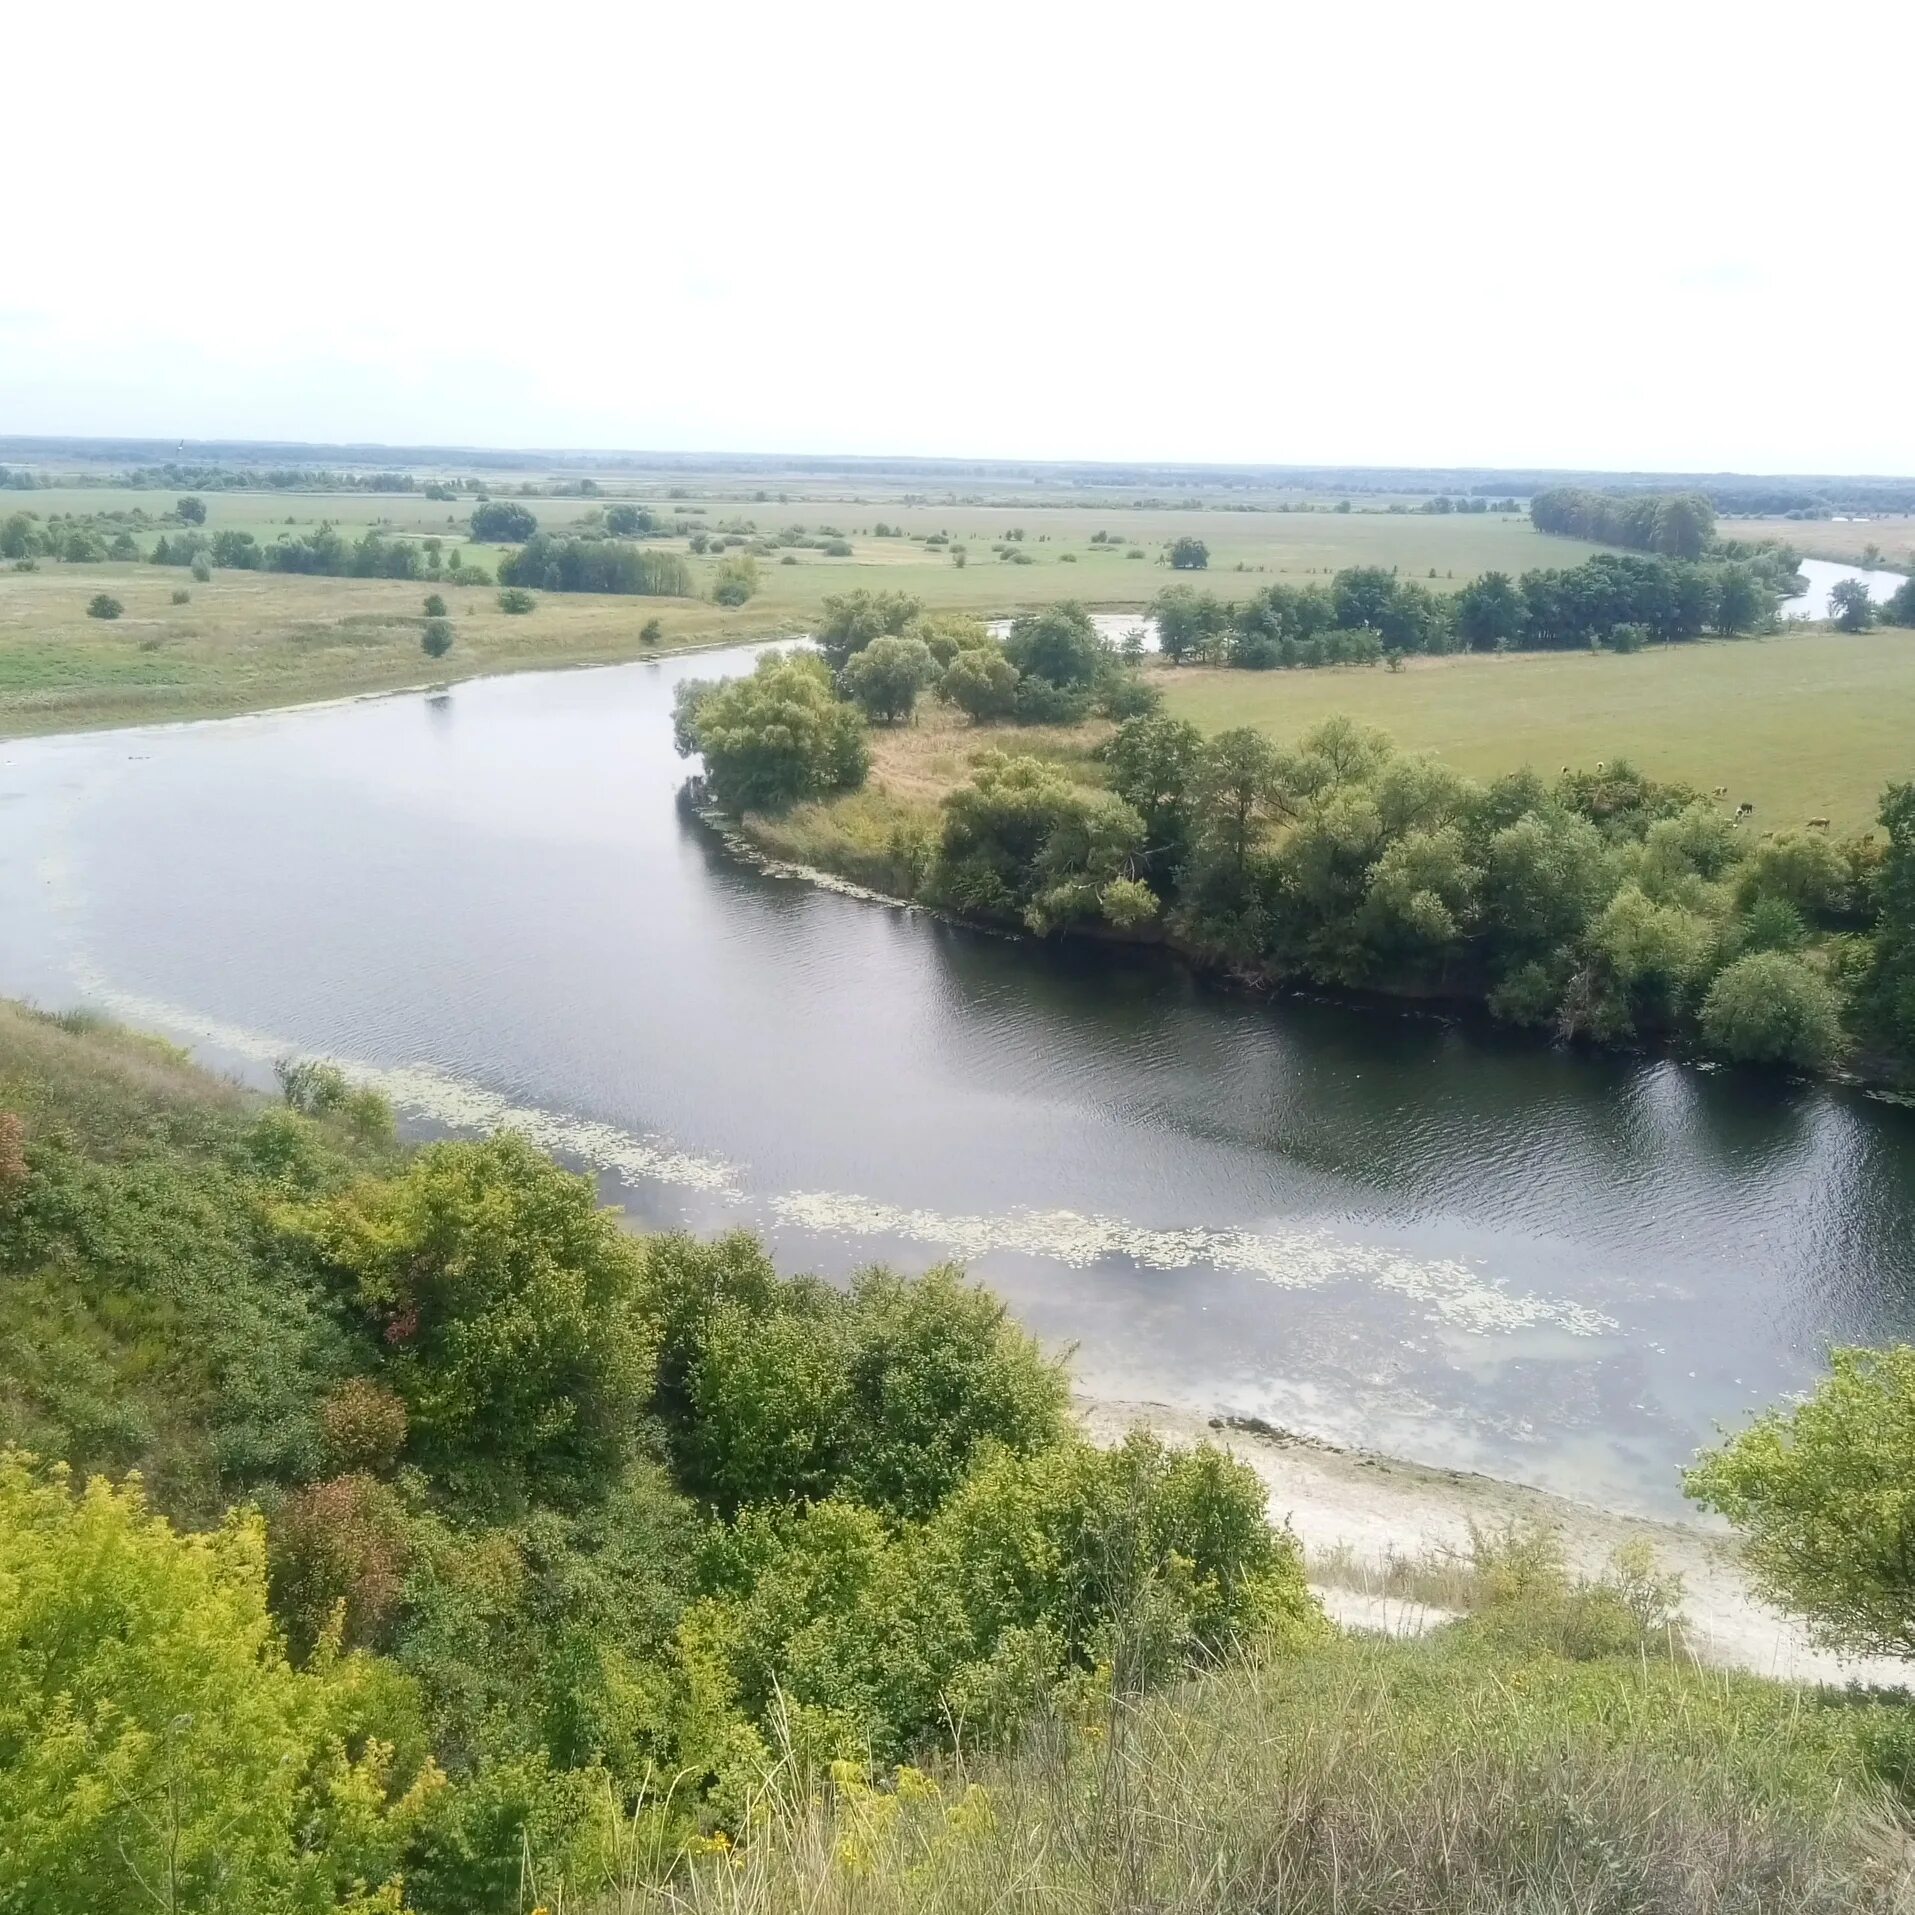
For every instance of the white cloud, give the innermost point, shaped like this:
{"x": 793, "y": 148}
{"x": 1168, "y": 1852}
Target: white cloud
{"x": 1639, "y": 236}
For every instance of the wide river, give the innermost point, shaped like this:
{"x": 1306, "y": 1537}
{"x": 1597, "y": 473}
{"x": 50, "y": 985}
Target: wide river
{"x": 1399, "y": 1231}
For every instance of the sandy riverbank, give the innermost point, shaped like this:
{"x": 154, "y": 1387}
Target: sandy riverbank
{"x": 1377, "y": 1507}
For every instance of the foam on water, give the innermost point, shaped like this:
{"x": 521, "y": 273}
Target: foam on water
{"x": 1451, "y": 1292}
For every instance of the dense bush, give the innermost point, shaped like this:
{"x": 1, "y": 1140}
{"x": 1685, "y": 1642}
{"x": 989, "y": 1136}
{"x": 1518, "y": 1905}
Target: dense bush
{"x": 564, "y": 1512}
{"x": 1059, "y": 645}
{"x": 885, "y": 679}
{"x": 596, "y": 565}
{"x": 1600, "y": 905}
{"x": 509, "y": 1301}
{"x": 516, "y": 601}
{"x": 1771, "y": 1008}
{"x": 103, "y": 605}
{"x": 1022, "y": 842}
{"x": 156, "y": 1748}
{"x": 735, "y": 580}
{"x": 502, "y": 522}
{"x": 773, "y": 738}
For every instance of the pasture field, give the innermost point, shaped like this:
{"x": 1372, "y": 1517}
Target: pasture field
{"x": 1843, "y": 541}
{"x": 248, "y": 640}
{"x": 1810, "y": 724}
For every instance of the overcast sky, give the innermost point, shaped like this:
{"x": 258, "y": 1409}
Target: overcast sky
{"x": 1669, "y": 236}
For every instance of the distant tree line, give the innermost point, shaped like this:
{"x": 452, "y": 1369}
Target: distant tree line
{"x": 1367, "y": 613}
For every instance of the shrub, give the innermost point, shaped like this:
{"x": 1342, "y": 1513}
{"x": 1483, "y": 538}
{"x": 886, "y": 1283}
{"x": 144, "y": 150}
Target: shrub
{"x": 887, "y": 676}
{"x": 1771, "y": 1008}
{"x": 435, "y": 605}
{"x": 435, "y": 639}
{"x": 317, "y": 1089}
{"x": 982, "y": 684}
{"x": 362, "y": 1426}
{"x": 511, "y": 1304}
{"x": 651, "y": 632}
{"x": 502, "y": 522}
{"x": 181, "y": 595}
{"x": 735, "y": 581}
{"x": 13, "y": 1155}
{"x": 517, "y": 601}
{"x": 104, "y": 605}
{"x": 851, "y": 620}
{"x": 337, "y": 1554}
{"x": 1825, "y": 1492}
{"x": 775, "y": 737}
{"x": 1189, "y": 555}
{"x": 202, "y": 572}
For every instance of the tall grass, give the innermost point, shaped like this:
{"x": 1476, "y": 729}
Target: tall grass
{"x": 1374, "y": 1778}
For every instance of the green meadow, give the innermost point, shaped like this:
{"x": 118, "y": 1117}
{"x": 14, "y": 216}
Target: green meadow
{"x": 1811, "y": 724}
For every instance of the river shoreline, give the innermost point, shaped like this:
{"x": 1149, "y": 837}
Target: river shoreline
{"x": 1355, "y": 1511}
{"x": 1453, "y": 1008}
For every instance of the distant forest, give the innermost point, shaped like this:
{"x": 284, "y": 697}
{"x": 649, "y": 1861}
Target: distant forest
{"x": 387, "y": 467}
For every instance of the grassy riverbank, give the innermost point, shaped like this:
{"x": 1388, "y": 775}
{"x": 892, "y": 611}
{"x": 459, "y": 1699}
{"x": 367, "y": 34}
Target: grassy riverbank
{"x": 248, "y": 641}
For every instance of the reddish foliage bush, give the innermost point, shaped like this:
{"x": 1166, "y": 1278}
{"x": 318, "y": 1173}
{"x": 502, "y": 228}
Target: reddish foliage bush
{"x": 342, "y": 1541}
{"x": 364, "y": 1426}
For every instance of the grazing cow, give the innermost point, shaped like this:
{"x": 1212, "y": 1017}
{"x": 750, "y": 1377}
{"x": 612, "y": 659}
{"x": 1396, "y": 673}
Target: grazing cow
{"x": 1722, "y": 791}
{"x": 1744, "y": 808}
{"x": 1602, "y": 764}
{"x": 1818, "y": 824}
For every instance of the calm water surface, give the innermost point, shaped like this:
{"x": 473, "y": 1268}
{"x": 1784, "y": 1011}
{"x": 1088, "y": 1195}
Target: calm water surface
{"x": 1396, "y": 1231}
{"x": 1822, "y": 576}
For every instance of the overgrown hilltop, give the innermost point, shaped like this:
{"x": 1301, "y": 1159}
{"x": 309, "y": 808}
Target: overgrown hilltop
{"x": 468, "y": 1527}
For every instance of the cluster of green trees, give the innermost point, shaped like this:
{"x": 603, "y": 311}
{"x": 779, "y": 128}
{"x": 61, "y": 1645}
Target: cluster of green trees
{"x": 1852, "y": 609}
{"x": 596, "y": 565}
{"x": 471, "y": 1529}
{"x": 1367, "y": 613}
{"x": 1598, "y": 904}
{"x": 794, "y": 729}
{"x": 1679, "y": 525}
{"x": 88, "y": 538}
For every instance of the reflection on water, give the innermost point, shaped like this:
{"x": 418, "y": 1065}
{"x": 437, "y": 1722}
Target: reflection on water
{"x": 1400, "y": 1231}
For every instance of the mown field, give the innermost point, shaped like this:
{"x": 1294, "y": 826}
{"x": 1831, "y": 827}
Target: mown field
{"x": 1811, "y": 724}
